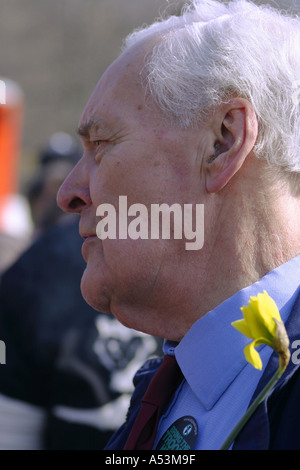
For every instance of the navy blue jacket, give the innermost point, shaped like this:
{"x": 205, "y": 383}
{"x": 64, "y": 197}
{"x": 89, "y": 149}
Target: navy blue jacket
{"x": 275, "y": 425}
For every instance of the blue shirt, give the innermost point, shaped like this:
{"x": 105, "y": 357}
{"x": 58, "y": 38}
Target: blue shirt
{"x": 219, "y": 382}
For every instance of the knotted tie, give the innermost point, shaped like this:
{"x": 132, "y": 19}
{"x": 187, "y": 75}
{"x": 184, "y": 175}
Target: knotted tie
{"x": 162, "y": 385}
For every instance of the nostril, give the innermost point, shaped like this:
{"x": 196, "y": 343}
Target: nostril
{"x": 76, "y": 203}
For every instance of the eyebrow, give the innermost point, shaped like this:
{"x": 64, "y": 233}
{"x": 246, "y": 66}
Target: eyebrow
{"x": 92, "y": 124}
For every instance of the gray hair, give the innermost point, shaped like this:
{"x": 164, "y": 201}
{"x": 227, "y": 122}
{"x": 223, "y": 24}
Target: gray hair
{"x": 215, "y": 51}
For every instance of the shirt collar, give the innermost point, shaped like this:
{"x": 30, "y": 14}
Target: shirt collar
{"x": 211, "y": 353}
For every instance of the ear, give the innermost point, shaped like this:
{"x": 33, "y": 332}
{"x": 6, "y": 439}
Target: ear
{"x": 235, "y": 126}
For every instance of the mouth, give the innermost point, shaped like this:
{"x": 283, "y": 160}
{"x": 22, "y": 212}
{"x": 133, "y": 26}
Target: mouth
{"x": 86, "y": 234}
{"x": 87, "y": 238}
{"x": 87, "y": 243}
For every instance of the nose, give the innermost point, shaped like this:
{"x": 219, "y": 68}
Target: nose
{"x": 74, "y": 195}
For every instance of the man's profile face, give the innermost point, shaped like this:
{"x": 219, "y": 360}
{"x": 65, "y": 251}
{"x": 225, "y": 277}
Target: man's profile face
{"x": 129, "y": 150}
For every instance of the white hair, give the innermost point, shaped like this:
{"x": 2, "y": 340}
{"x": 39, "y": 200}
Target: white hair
{"x": 215, "y": 51}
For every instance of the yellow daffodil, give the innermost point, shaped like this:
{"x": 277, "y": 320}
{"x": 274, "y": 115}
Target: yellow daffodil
{"x": 263, "y": 324}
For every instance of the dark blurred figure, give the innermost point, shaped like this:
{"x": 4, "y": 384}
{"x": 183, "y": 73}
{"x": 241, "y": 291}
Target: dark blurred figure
{"x": 11, "y": 247}
{"x": 55, "y": 161}
{"x": 68, "y": 374}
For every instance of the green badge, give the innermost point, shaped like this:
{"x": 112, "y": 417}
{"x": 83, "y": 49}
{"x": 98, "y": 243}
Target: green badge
{"x": 181, "y": 435}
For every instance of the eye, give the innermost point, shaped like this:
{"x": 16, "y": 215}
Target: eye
{"x": 99, "y": 146}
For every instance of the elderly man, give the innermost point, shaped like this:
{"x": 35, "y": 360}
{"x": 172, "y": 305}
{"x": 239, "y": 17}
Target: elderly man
{"x": 200, "y": 109}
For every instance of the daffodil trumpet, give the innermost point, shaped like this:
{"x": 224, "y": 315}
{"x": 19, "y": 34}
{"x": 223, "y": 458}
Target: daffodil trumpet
{"x": 262, "y": 323}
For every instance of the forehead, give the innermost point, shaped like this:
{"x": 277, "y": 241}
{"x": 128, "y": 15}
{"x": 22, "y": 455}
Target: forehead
{"x": 119, "y": 91}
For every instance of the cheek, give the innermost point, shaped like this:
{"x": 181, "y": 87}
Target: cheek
{"x": 130, "y": 261}
{"x": 130, "y": 269}
{"x": 121, "y": 272}
{"x": 136, "y": 175}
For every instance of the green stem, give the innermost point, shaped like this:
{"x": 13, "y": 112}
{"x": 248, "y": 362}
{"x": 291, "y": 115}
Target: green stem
{"x": 253, "y": 407}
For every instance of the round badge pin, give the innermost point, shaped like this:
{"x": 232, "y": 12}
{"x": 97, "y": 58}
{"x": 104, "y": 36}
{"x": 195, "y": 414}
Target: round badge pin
{"x": 181, "y": 435}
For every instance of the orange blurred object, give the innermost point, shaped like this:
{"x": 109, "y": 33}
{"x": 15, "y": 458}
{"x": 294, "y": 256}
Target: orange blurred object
{"x": 11, "y": 126}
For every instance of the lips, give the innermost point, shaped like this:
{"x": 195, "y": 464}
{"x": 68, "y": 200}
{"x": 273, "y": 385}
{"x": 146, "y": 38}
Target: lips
{"x": 86, "y": 232}
{"x": 87, "y": 229}
{"x": 87, "y": 236}
{"x": 88, "y": 241}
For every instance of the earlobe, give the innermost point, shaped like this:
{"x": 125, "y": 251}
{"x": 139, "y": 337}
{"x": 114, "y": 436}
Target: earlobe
{"x": 238, "y": 132}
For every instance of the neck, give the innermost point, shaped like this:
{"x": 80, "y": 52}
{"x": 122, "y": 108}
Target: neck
{"x": 256, "y": 229}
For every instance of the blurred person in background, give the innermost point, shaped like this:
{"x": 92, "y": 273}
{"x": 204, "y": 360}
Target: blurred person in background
{"x": 55, "y": 160}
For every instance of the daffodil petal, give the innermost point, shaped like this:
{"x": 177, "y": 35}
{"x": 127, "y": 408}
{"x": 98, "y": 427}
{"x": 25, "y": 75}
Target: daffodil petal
{"x": 261, "y": 323}
{"x": 270, "y": 311}
{"x": 252, "y": 355}
{"x": 242, "y": 327}
{"x": 253, "y": 319}
{"x": 260, "y": 314}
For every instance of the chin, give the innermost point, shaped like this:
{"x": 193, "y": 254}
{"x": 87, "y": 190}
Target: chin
{"x": 91, "y": 292}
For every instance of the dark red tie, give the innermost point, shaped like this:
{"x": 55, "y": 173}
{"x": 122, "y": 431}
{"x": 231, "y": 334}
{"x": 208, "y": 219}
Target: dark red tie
{"x": 163, "y": 384}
